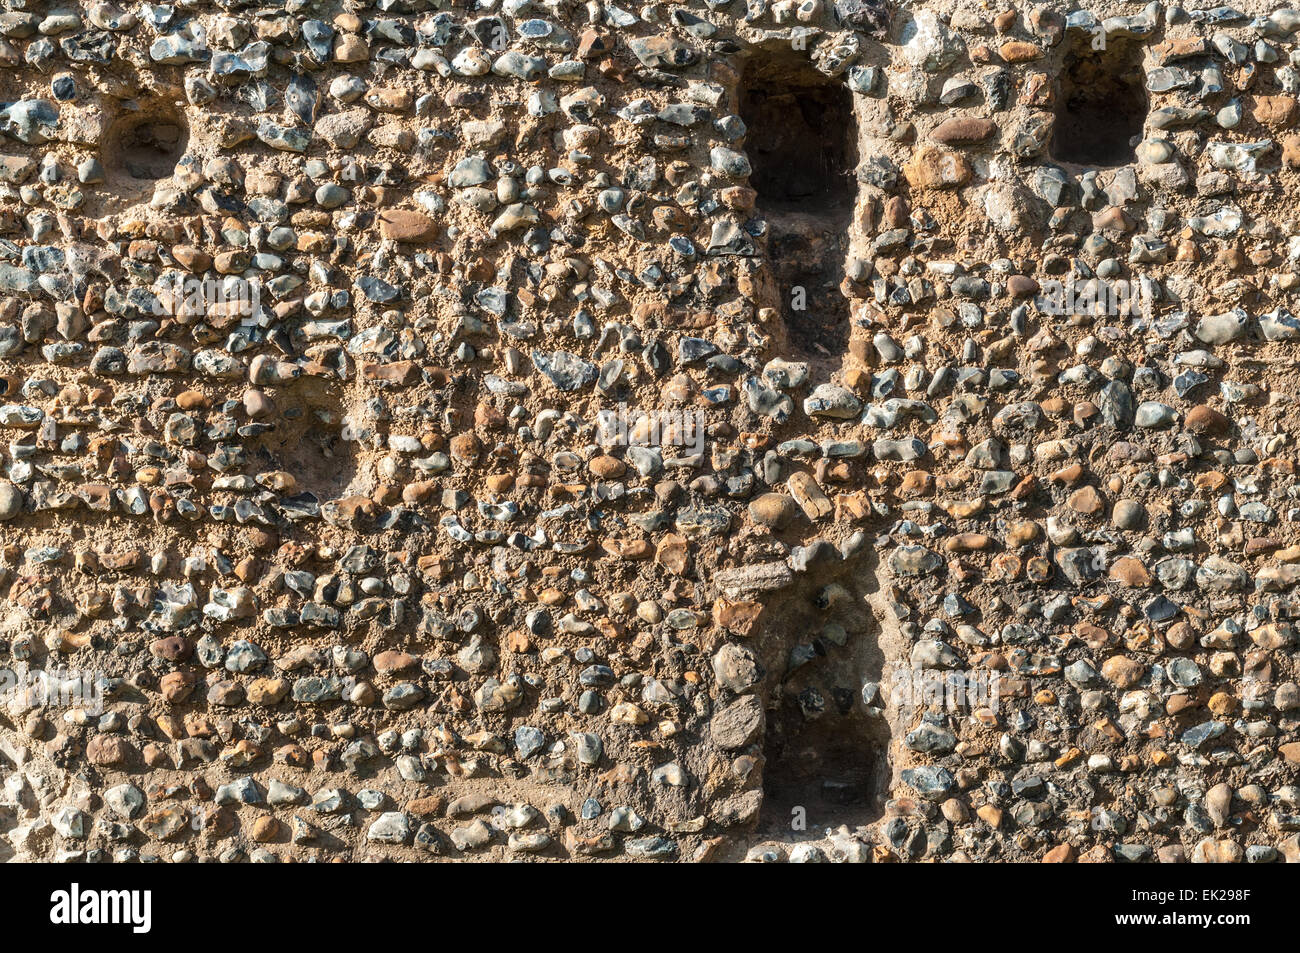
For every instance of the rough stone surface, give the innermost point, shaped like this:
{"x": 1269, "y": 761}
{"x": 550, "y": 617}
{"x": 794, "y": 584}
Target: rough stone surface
{"x": 348, "y": 555}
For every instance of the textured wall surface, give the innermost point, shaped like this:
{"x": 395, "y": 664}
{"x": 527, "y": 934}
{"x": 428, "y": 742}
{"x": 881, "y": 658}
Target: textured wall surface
{"x": 982, "y": 314}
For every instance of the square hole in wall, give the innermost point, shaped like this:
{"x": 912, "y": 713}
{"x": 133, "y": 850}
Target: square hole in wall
{"x": 801, "y": 137}
{"x": 801, "y": 142}
{"x": 1101, "y": 104}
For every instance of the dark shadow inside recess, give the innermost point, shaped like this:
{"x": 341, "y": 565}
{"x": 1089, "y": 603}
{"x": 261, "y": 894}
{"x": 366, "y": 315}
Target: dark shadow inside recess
{"x": 150, "y": 149}
{"x": 826, "y": 749}
{"x": 1101, "y": 104}
{"x": 146, "y": 145}
{"x": 834, "y": 769}
{"x": 801, "y": 142}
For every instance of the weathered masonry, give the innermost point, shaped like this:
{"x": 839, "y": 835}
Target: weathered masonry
{"x": 333, "y": 522}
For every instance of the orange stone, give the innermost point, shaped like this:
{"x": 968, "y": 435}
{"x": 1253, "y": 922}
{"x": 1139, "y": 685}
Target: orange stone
{"x": 738, "y": 617}
{"x": 935, "y": 168}
{"x": 1206, "y": 420}
{"x": 1128, "y": 571}
{"x": 1018, "y": 51}
{"x": 1122, "y": 671}
{"x": 673, "y": 554}
{"x": 963, "y": 131}
{"x": 1086, "y": 500}
{"x": 1276, "y": 111}
{"x": 1060, "y": 854}
{"x": 402, "y": 225}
